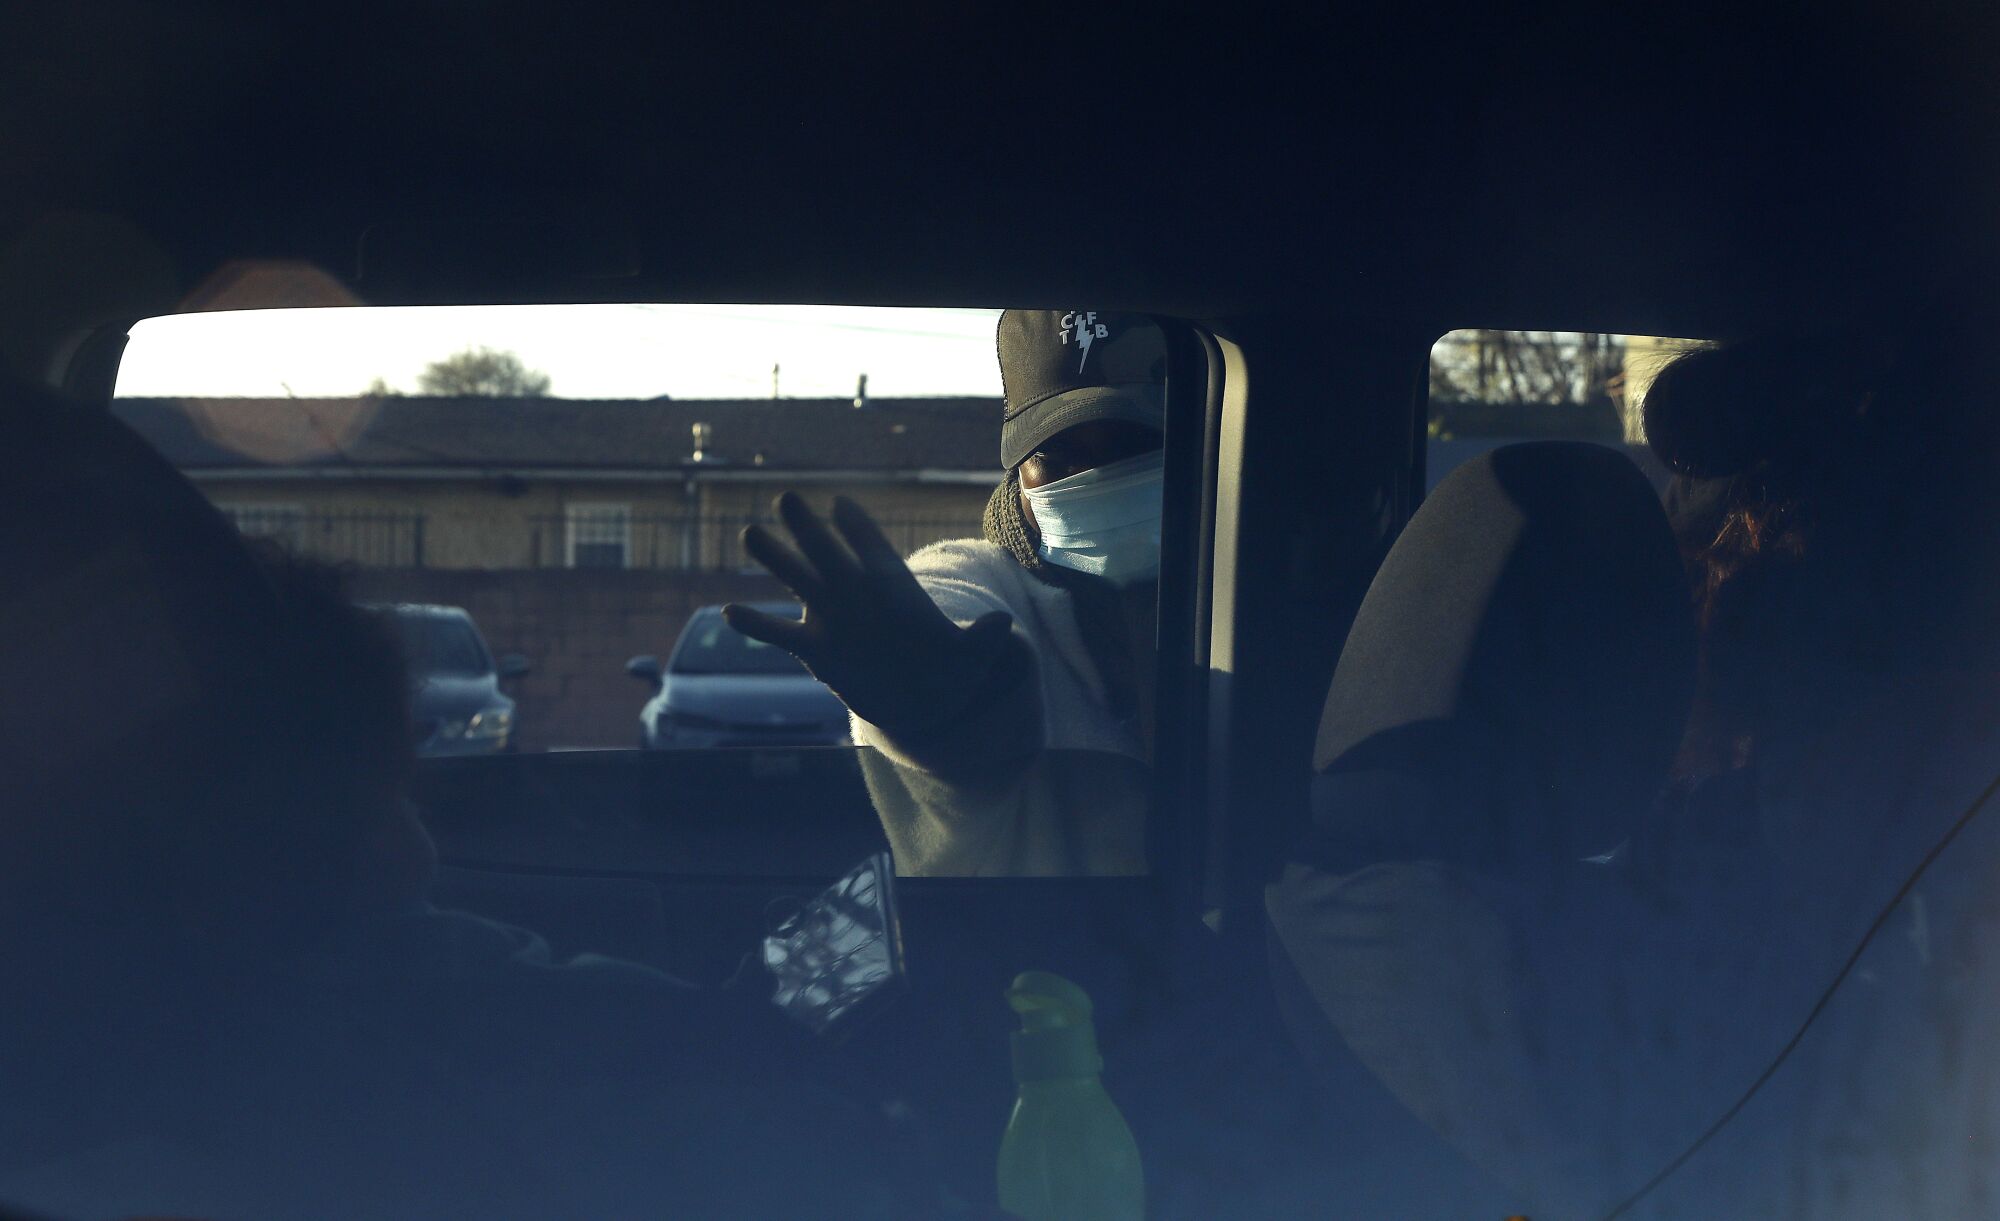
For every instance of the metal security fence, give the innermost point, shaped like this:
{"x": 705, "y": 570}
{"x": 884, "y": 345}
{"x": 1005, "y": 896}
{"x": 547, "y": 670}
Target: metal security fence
{"x": 374, "y": 540}
{"x": 694, "y": 542}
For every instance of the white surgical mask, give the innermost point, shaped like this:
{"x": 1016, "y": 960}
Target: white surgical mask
{"x": 1104, "y": 521}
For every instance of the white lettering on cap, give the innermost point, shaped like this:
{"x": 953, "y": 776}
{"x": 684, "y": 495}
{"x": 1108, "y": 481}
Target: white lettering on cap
{"x": 1087, "y": 329}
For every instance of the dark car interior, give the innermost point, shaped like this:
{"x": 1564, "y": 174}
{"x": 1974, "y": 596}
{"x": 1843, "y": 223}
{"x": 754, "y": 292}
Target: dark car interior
{"x": 1305, "y": 200}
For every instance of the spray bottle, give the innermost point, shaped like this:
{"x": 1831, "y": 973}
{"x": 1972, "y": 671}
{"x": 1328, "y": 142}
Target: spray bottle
{"x": 1067, "y": 1154}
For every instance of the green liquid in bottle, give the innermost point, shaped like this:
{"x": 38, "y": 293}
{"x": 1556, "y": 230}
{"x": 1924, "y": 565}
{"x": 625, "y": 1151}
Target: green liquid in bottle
{"x": 1067, "y": 1154}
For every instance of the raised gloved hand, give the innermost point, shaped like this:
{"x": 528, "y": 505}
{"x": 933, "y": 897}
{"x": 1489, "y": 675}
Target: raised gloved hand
{"x": 869, "y": 631}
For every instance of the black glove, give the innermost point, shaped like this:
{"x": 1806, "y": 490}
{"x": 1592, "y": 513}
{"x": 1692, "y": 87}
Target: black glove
{"x": 870, "y": 631}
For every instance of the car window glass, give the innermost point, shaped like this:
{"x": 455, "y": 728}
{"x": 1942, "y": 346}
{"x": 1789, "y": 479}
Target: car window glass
{"x": 1492, "y": 387}
{"x": 577, "y": 481}
{"x": 711, "y": 646}
{"x": 437, "y": 645}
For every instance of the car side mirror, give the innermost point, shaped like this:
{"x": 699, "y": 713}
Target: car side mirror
{"x": 645, "y": 668}
{"x": 513, "y": 665}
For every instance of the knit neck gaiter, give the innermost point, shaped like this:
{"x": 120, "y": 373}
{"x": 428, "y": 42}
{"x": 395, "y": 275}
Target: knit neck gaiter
{"x": 1100, "y": 617}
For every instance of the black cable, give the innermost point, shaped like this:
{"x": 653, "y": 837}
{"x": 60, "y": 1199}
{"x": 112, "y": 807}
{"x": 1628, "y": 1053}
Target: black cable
{"x": 1819, "y": 1006}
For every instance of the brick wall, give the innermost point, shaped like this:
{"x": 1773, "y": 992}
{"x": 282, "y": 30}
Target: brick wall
{"x": 577, "y": 628}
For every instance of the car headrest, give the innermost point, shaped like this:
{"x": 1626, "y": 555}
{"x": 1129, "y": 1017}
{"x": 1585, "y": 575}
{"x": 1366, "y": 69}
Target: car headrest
{"x": 1531, "y": 632}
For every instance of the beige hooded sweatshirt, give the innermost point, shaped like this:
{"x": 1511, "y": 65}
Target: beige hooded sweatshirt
{"x": 1042, "y": 779}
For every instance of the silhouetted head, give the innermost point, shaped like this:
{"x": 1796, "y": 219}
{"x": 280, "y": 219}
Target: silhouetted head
{"x": 1832, "y": 504}
{"x": 201, "y": 745}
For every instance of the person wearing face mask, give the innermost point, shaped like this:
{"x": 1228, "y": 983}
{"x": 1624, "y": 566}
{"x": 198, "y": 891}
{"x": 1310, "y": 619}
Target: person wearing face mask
{"x": 1005, "y": 683}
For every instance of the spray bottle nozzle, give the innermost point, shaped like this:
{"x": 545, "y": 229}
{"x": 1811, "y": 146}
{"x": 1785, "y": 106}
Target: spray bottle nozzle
{"x": 1044, "y": 1001}
{"x": 1056, "y": 1038}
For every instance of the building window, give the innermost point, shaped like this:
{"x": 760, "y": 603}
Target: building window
{"x": 597, "y": 536}
{"x": 283, "y": 523}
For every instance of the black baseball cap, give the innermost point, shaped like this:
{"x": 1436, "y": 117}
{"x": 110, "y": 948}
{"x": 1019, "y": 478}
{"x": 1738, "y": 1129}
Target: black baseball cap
{"x": 1061, "y": 368}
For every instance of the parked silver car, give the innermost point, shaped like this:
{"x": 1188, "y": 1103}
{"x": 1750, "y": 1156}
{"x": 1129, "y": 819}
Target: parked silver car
{"x": 721, "y": 689}
{"x": 456, "y": 705}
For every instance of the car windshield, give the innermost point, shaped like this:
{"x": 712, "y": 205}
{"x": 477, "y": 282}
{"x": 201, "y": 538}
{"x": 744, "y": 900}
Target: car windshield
{"x": 711, "y": 646}
{"x": 440, "y": 644}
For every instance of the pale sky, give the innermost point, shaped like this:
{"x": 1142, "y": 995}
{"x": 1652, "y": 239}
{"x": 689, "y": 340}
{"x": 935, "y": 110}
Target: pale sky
{"x": 589, "y": 351}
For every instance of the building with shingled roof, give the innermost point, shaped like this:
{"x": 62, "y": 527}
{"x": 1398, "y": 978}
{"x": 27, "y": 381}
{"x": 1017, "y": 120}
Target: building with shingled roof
{"x": 484, "y": 483}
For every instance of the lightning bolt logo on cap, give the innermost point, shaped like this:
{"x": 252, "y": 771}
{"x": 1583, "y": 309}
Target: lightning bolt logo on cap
{"x": 1083, "y": 324}
{"x": 1117, "y": 373}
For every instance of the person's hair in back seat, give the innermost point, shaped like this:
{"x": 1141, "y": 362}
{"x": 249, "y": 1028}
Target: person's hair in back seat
{"x": 1824, "y": 487}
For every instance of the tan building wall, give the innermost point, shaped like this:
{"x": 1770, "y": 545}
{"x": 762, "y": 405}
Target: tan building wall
{"x": 504, "y": 523}
{"x": 911, "y": 514}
